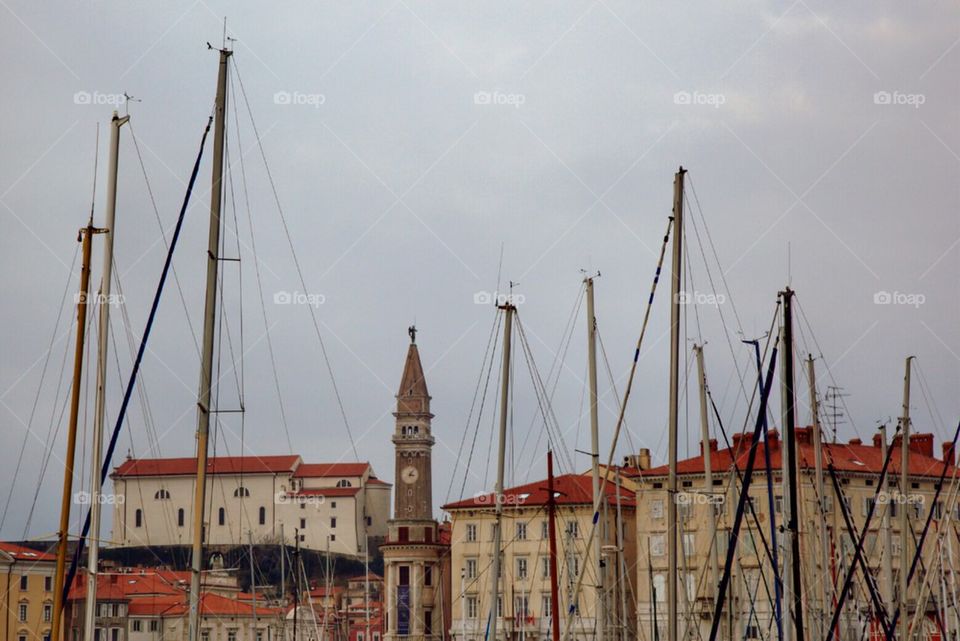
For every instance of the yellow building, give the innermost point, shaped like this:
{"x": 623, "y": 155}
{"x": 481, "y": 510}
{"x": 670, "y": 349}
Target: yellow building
{"x": 749, "y": 611}
{"x": 26, "y": 577}
{"x": 524, "y": 603}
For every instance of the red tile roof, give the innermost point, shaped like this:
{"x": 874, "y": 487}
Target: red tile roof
{"x": 571, "y": 489}
{"x": 323, "y": 470}
{"x": 216, "y": 465}
{"x": 21, "y": 553}
{"x": 852, "y": 457}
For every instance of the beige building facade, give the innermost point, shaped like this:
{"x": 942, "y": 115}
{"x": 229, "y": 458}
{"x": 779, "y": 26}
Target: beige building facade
{"x": 26, "y": 579}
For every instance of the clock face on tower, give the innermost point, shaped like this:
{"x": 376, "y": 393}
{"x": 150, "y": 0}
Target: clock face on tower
{"x": 410, "y": 474}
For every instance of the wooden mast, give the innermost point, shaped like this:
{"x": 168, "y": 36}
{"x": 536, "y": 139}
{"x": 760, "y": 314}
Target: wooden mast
{"x": 905, "y": 528}
{"x": 824, "y": 591}
{"x": 103, "y": 339}
{"x": 508, "y": 310}
{"x": 86, "y": 237}
{"x": 675, "y": 302}
{"x": 600, "y": 613}
{"x": 713, "y": 558}
{"x": 209, "y": 327}
{"x": 552, "y": 524}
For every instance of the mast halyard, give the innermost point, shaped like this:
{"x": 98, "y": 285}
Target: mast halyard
{"x": 103, "y": 339}
{"x": 206, "y": 366}
{"x": 86, "y": 237}
{"x": 598, "y": 540}
{"x": 676, "y": 279}
{"x": 509, "y": 310}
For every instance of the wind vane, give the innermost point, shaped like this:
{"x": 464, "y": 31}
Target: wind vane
{"x": 412, "y": 330}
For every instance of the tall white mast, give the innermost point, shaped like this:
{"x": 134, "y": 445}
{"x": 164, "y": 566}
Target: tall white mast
{"x": 675, "y": 301}
{"x": 887, "y": 567}
{"x": 598, "y": 540}
{"x": 206, "y": 366}
{"x": 508, "y": 311}
{"x": 103, "y": 340}
{"x": 824, "y": 591}
{"x": 714, "y": 558}
{"x": 905, "y": 531}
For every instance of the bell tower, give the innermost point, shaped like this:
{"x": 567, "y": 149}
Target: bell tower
{"x": 416, "y": 554}
{"x": 413, "y": 441}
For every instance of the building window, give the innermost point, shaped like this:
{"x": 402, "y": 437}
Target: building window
{"x": 403, "y": 533}
{"x": 521, "y": 606}
{"x": 471, "y": 568}
{"x": 544, "y": 567}
{"x": 660, "y": 587}
{"x": 544, "y": 530}
{"x": 205, "y": 635}
{"x": 428, "y": 576}
{"x": 303, "y": 505}
{"x": 471, "y": 532}
{"x": 241, "y": 491}
{"x": 24, "y": 582}
{"x": 657, "y": 545}
{"x": 404, "y": 575}
{"x": 546, "y": 608}
{"x": 48, "y": 584}
{"x": 154, "y": 625}
{"x": 344, "y": 483}
{"x": 136, "y": 625}
{"x": 689, "y": 544}
{"x": 161, "y": 495}
{"x": 180, "y": 517}
{"x": 333, "y": 537}
{"x": 263, "y": 516}
{"x": 472, "y": 607}
{"x": 521, "y": 567}
{"x": 656, "y": 509}
{"x": 138, "y": 518}
{"x": 521, "y": 531}
{"x": 22, "y": 612}
{"x": 427, "y": 622}
{"x": 231, "y": 635}
{"x": 303, "y": 537}
{"x": 573, "y": 529}
{"x": 259, "y": 635}
{"x": 369, "y": 521}
{"x": 333, "y": 522}
{"x": 47, "y": 613}
{"x": 333, "y": 505}
{"x": 222, "y": 516}
{"x": 303, "y": 524}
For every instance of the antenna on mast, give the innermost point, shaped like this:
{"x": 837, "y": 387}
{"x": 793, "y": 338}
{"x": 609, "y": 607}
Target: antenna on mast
{"x": 833, "y": 404}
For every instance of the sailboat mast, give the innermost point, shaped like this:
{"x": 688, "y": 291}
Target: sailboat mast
{"x": 209, "y": 326}
{"x": 792, "y": 595}
{"x": 714, "y": 558}
{"x": 86, "y": 237}
{"x": 508, "y": 310}
{"x": 601, "y": 610}
{"x": 824, "y": 596}
{"x": 887, "y": 567}
{"x": 554, "y": 581}
{"x": 675, "y": 301}
{"x": 905, "y": 529}
{"x": 103, "y": 340}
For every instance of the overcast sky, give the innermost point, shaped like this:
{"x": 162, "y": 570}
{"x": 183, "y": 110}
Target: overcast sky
{"x": 410, "y": 143}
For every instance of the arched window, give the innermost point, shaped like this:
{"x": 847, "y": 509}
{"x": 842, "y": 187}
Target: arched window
{"x": 263, "y": 515}
{"x": 222, "y": 516}
{"x": 344, "y": 483}
{"x": 138, "y": 518}
{"x": 161, "y": 495}
{"x": 180, "y": 517}
{"x": 241, "y": 491}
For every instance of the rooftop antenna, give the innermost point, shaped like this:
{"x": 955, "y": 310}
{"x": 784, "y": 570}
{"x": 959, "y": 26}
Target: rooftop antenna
{"x": 833, "y": 404}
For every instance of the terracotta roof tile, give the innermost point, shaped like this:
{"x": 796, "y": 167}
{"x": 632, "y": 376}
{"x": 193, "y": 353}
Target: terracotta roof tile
{"x": 571, "y": 489}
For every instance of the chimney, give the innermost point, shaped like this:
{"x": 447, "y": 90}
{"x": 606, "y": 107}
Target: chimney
{"x": 856, "y": 441}
{"x": 804, "y": 435}
{"x": 773, "y": 440}
{"x": 922, "y": 444}
{"x": 643, "y": 459}
{"x": 949, "y": 456}
{"x": 878, "y": 441}
{"x": 740, "y": 443}
{"x": 713, "y": 446}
